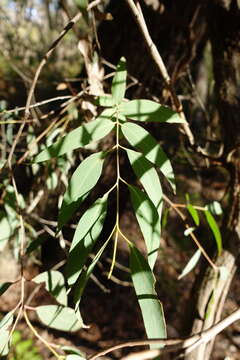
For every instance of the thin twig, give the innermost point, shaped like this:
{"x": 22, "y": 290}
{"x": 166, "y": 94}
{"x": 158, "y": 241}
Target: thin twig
{"x": 139, "y": 18}
{"x": 183, "y": 217}
{"x": 189, "y": 343}
{"x": 35, "y": 79}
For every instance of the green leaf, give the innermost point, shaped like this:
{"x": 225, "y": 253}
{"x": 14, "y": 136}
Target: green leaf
{"x": 80, "y": 137}
{"x": 105, "y": 100}
{"x": 54, "y": 283}
{"x": 144, "y": 284}
{"x": 88, "y": 230}
{"x": 147, "y": 110}
{"x": 81, "y": 4}
{"x": 59, "y": 317}
{"x": 71, "y": 351}
{"x": 4, "y": 342}
{"x": 193, "y": 212}
{"x": 4, "y": 287}
{"x": 149, "y": 222}
{"x": 148, "y": 176}
{"x": 85, "y": 275}
{"x": 82, "y": 181}
{"x": 5, "y": 325}
{"x": 119, "y": 81}
{"x": 142, "y": 140}
{"x": 191, "y": 264}
{"x": 215, "y": 230}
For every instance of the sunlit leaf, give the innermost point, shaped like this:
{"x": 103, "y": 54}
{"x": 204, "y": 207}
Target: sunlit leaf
{"x": 119, "y": 81}
{"x": 191, "y": 264}
{"x": 149, "y": 178}
{"x": 71, "y": 351}
{"x": 140, "y": 139}
{"x": 147, "y": 110}
{"x": 193, "y": 212}
{"x": 54, "y": 283}
{"x": 149, "y": 222}
{"x": 75, "y": 357}
{"x": 215, "y": 208}
{"x": 4, "y": 287}
{"x": 82, "y": 181}
{"x": 215, "y": 230}
{"x": 5, "y": 325}
{"x": 83, "y": 135}
{"x": 105, "y": 100}
{"x": 4, "y": 342}
{"x": 88, "y": 230}
{"x": 59, "y": 317}
{"x": 144, "y": 284}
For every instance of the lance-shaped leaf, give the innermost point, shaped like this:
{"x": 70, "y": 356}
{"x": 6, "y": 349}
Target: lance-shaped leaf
{"x": 88, "y": 230}
{"x": 5, "y": 325}
{"x": 148, "y": 176}
{"x": 85, "y": 275}
{"x": 144, "y": 284}
{"x": 83, "y": 135}
{"x": 147, "y": 110}
{"x": 4, "y": 287}
{"x": 59, "y": 317}
{"x": 82, "y": 181}
{"x": 140, "y": 139}
{"x": 148, "y": 220}
{"x": 105, "y": 100}
{"x": 119, "y": 81}
{"x": 191, "y": 264}
{"x": 215, "y": 230}
{"x": 192, "y": 211}
{"x": 54, "y": 283}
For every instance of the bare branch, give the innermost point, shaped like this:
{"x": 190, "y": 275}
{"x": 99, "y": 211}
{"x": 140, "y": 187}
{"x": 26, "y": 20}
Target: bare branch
{"x": 189, "y": 343}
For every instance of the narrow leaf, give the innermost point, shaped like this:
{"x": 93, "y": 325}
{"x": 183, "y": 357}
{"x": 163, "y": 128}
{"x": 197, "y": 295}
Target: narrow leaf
{"x": 149, "y": 222}
{"x": 193, "y": 212}
{"x": 147, "y": 110}
{"x": 82, "y": 181}
{"x": 59, "y": 317}
{"x": 85, "y": 275}
{"x": 148, "y": 176}
{"x": 144, "y": 284}
{"x": 88, "y": 230}
{"x": 4, "y": 287}
{"x": 142, "y": 140}
{"x": 4, "y": 342}
{"x": 105, "y": 100}
{"x": 5, "y": 325}
{"x": 80, "y": 137}
{"x": 54, "y": 283}
{"x": 215, "y": 230}
{"x": 119, "y": 81}
{"x": 191, "y": 264}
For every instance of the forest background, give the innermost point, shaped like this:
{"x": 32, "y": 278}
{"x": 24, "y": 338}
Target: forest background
{"x": 181, "y": 54}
